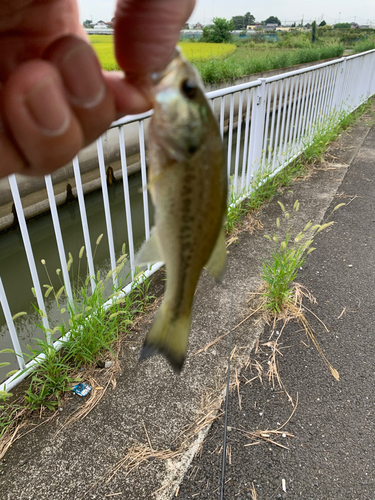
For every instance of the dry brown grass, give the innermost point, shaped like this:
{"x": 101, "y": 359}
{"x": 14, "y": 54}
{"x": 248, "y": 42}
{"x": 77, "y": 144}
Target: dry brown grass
{"x": 249, "y": 223}
{"x": 268, "y": 435}
{"x": 20, "y": 427}
{"x": 294, "y": 310}
{"x": 9, "y": 437}
{"x": 253, "y": 492}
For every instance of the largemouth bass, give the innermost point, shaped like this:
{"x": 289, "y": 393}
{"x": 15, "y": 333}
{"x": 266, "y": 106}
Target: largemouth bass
{"x": 188, "y": 185}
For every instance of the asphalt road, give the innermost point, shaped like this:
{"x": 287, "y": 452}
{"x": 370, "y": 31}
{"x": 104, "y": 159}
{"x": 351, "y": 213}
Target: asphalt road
{"x": 332, "y": 453}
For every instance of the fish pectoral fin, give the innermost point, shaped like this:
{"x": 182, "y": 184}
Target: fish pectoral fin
{"x": 216, "y": 264}
{"x": 150, "y": 251}
{"x": 168, "y": 336}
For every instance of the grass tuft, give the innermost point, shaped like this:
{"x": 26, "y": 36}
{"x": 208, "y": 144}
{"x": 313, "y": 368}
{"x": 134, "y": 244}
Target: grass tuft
{"x": 288, "y": 255}
{"x": 363, "y": 45}
{"x": 235, "y": 210}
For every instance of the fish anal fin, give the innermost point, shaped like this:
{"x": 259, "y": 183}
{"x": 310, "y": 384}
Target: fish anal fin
{"x": 168, "y": 336}
{"x": 216, "y": 264}
{"x": 150, "y": 251}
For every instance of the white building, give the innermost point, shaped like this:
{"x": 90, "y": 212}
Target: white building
{"x": 100, "y": 25}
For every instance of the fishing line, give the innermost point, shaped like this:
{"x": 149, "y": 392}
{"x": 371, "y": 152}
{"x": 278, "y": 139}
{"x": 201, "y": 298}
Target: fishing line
{"x": 227, "y": 400}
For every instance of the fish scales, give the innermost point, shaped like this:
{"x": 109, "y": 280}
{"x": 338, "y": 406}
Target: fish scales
{"x": 188, "y": 185}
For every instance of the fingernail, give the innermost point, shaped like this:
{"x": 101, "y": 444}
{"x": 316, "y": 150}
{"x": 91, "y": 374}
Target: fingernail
{"x": 83, "y": 77}
{"x": 47, "y": 106}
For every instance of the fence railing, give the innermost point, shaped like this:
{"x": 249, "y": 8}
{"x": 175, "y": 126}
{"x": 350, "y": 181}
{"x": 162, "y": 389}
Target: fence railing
{"x": 265, "y": 124}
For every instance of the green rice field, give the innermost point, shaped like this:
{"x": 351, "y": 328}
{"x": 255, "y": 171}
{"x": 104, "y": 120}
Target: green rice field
{"x": 219, "y": 62}
{"x": 204, "y": 51}
{"x": 103, "y": 46}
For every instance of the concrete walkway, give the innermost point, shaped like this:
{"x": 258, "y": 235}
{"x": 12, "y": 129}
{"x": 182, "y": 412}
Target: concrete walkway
{"x": 150, "y": 409}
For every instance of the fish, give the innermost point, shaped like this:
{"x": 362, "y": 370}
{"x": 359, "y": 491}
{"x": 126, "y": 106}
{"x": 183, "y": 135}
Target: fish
{"x": 187, "y": 181}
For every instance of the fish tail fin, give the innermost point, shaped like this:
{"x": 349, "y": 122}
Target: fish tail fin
{"x": 169, "y": 337}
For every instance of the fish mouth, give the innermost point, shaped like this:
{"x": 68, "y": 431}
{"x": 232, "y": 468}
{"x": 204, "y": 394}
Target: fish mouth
{"x": 148, "y": 83}
{"x": 173, "y": 63}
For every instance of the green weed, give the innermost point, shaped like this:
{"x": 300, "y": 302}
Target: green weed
{"x": 140, "y": 296}
{"x": 347, "y": 120}
{"x": 363, "y": 45}
{"x": 51, "y": 378}
{"x": 288, "y": 255}
{"x": 236, "y": 209}
{"x": 92, "y": 326}
{"x": 11, "y": 414}
{"x": 5, "y": 412}
{"x": 281, "y": 298}
{"x": 246, "y": 61}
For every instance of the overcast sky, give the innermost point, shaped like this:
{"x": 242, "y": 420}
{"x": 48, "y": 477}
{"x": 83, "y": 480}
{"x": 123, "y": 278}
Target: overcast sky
{"x": 363, "y": 11}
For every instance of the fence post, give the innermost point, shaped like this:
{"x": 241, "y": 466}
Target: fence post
{"x": 372, "y": 80}
{"x": 337, "y": 97}
{"x": 371, "y": 76}
{"x": 11, "y": 327}
{"x": 360, "y": 82}
{"x": 29, "y": 254}
{"x": 256, "y": 131}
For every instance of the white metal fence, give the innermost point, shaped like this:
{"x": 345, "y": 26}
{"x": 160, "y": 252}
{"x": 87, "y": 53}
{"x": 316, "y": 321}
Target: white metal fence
{"x": 265, "y": 124}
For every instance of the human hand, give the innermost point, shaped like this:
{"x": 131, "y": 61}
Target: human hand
{"x": 54, "y": 98}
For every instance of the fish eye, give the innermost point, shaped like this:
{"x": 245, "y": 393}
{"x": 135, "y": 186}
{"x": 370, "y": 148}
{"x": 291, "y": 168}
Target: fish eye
{"x": 189, "y": 89}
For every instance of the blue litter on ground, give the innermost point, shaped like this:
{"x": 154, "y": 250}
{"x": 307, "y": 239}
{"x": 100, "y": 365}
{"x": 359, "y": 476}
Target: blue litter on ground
{"x": 82, "y": 389}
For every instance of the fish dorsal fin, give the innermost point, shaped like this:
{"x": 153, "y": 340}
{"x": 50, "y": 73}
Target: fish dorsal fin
{"x": 150, "y": 251}
{"x": 216, "y": 264}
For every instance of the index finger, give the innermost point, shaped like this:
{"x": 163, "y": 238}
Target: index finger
{"x": 146, "y": 33}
